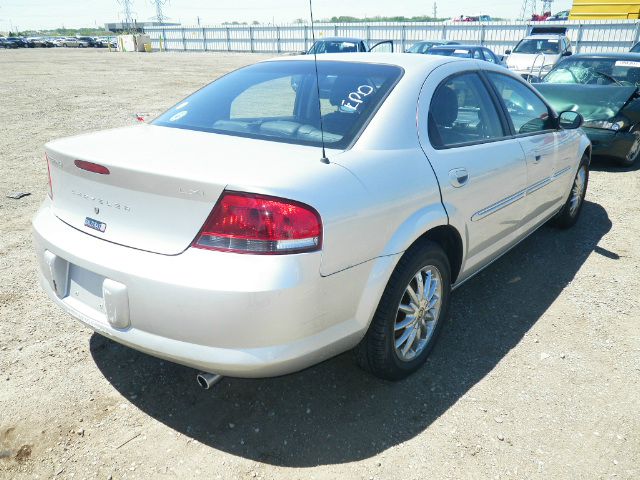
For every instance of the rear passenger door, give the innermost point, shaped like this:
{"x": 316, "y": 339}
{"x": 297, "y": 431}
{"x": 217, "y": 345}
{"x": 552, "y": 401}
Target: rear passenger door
{"x": 480, "y": 167}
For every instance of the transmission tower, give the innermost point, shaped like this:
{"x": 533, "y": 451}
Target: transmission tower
{"x": 528, "y": 9}
{"x": 435, "y": 10}
{"x": 127, "y": 12}
{"x": 160, "y": 17}
{"x": 546, "y": 5}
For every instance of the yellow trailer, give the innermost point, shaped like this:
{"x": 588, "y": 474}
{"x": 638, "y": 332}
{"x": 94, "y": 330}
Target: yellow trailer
{"x": 603, "y": 10}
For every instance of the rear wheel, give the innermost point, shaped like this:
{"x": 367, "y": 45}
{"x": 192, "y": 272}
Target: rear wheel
{"x": 410, "y": 314}
{"x": 569, "y": 213}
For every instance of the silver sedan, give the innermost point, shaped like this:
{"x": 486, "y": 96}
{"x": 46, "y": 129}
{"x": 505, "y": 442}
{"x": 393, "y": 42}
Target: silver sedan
{"x": 282, "y": 215}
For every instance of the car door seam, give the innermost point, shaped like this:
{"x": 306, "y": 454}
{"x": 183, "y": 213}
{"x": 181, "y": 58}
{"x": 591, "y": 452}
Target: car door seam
{"x": 499, "y": 205}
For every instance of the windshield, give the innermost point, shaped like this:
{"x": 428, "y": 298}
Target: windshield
{"x": 451, "y": 52}
{"x": 421, "y": 47}
{"x": 596, "y": 71}
{"x": 278, "y": 101}
{"x": 330, "y": 46}
{"x": 538, "y": 45}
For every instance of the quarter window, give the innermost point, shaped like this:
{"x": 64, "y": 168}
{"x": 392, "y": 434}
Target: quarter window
{"x": 528, "y": 113}
{"x": 461, "y": 112}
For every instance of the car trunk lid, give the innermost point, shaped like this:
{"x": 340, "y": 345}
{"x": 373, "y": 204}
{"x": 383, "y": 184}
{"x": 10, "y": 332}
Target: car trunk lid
{"x": 162, "y": 183}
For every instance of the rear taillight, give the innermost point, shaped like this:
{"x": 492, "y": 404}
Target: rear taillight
{"x": 91, "y": 167}
{"x": 251, "y": 223}
{"x": 46, "y": 158}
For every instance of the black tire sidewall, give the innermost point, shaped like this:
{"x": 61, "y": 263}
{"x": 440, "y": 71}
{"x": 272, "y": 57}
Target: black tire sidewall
{"x": 420, "y": 256}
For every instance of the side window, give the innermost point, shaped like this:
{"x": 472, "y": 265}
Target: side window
{"x": 489, "y": 56}
{"x": 528, "y": 113}
{"x": 461, "y": 111}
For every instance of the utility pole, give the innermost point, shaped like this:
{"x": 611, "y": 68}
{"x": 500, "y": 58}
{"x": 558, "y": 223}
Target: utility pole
{"x": 435, "y": 10}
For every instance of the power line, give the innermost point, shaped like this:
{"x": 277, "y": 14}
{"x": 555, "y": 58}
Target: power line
{"x": 526, "y": 4}
{"x": 127, "y": 12}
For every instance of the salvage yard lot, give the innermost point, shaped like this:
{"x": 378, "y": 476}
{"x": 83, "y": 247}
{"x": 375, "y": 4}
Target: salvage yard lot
{"x": 536, "y": 375}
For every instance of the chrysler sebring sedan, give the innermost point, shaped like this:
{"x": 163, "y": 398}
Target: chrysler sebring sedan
{"x": 255, "y": 229}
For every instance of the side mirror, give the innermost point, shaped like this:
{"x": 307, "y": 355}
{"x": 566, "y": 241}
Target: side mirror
{"x": 567, "y": 53}
{"x": 570, "y": 120}
{"x": 507, "y": 52}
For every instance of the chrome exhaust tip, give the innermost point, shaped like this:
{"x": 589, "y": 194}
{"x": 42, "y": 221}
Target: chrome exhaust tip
{"x": 208, "y": 380}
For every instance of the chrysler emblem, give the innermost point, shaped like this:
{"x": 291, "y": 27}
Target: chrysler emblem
{"x": 96, "y": 209}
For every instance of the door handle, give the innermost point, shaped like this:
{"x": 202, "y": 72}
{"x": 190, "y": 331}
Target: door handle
{"x": 537, "y": 158}
{"x": 458, "y": 177}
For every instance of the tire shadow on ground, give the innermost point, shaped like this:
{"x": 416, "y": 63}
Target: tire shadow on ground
{"x": 334, "y": 412}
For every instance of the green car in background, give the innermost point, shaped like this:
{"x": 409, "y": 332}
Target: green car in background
{"x": 604, "y": 88}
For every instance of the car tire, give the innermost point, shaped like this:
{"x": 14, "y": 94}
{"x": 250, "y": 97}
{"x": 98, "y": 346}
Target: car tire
{"x": 64, "y": 45}
{"x": 568, "y": 215}
{"x": 382, "y": 351}
{"x": 632, "y": 155}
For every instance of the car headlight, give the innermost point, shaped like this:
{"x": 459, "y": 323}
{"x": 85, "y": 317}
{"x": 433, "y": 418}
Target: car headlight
{"x": 606, "y": 124}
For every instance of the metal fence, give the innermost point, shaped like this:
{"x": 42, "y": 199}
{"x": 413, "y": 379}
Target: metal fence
{"x": 586, "y": 36}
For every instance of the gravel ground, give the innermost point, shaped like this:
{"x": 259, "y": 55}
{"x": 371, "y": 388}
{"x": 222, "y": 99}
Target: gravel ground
{"x": 535, "y": 376}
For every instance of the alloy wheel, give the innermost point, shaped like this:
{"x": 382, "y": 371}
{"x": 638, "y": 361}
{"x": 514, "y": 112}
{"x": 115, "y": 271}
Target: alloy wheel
{"x": 418, "y": 313}
{"x": 577, "y": 191}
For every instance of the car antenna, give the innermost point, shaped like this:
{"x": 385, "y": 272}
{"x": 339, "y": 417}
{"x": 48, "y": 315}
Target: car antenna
{"x": 324, "y": 158}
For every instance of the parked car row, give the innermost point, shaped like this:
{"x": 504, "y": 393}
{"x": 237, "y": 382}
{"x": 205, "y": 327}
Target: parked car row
{"x": 49, "y": 42}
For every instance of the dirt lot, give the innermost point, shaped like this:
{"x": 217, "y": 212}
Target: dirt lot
{"x": 537, "y": 375}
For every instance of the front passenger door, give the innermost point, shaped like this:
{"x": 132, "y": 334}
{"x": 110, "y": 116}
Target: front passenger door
{"x": 480, "y": 169}
{"x": 535, "y": 127}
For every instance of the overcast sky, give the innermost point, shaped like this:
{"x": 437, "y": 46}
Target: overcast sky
{"x": 36, "y": 14}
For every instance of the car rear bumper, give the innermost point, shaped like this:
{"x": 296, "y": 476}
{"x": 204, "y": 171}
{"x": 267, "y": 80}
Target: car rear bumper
{"x": 610, "y": 143}
{"x": 232, "y": 314}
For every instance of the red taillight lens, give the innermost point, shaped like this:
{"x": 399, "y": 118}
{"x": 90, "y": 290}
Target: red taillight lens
{"x": 92, "y": 167}
{"x": 46, "y": 158}
{"x": 251, "y": 223}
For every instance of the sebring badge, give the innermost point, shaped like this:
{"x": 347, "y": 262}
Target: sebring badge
{"x": 95, "y": 224}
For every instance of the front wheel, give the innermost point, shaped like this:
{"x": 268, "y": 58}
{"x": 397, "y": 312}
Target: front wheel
{"x": 633, "y": 154}
{"x": 569, "y": 213}
{"x": 410, "y": 314}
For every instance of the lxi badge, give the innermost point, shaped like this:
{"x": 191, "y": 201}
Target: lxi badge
{"x": 95, "y": 224}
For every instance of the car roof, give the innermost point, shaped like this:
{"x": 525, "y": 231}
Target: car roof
{"x": 544, "y": 36}
{"x": 339, "y": 39}
{"x": 407, "y": 61}
{"x": 618, "y": 56}
{"x": 457, "y": 47}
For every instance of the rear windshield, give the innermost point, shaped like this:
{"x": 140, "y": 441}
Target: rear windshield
{"x": 421, "y": 47}
{"x": 278, "y": 101}
{"x": 333, "y": 46}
